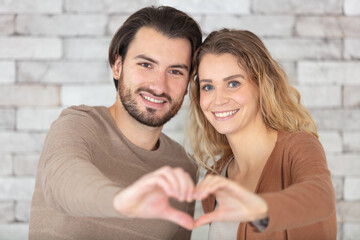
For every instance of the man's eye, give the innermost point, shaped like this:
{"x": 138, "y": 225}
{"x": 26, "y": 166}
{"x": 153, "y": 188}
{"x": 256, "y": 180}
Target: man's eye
{"x": 146, "y": 65}
{"x": 207, "y": 88}
{"x": 234, "y": 84}
{"x": 176, "y": 72}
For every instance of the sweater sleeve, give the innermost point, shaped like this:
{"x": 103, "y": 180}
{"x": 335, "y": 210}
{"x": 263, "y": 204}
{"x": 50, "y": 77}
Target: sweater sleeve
{"x": 71, "y": 183}
{"x": 310, "y": 196}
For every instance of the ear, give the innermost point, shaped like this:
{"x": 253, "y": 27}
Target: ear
{"x": 117, "y": 67}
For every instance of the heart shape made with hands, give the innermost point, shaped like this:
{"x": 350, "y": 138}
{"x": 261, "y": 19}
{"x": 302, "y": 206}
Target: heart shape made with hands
{"x": 149, "y": 198}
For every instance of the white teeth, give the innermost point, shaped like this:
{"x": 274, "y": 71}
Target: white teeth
{"x": 225, "y": 114}
{"x": 152, "y": 100}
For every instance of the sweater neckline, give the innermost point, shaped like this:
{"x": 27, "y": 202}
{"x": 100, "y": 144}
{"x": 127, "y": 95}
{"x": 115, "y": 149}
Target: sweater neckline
{"x": 133, "y": 147}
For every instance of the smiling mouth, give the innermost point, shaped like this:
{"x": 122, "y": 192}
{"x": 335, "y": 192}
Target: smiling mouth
{"x": 225, "y": 114}
{"x": 152, "y": 99}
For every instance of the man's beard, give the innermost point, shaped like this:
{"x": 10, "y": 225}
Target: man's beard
{"x": 148, "y": 117}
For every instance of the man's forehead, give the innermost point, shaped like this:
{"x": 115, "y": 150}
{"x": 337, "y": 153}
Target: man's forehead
{"x": 150, "y": 41}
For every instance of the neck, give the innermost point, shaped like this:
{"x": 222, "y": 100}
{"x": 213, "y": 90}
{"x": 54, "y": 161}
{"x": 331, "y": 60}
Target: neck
{"x": 252, "y": 147}
{"x": 140, "y": 135}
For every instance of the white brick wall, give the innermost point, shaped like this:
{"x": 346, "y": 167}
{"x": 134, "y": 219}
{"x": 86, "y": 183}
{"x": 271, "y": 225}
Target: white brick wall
{"x": 30, "y": 48}
{"x": 34, "y": 6}
{"x": 61, "y": 25}
{"x": 53, "y": 54}
{"x": 64, "y": 72}
{"x": 352, "y": 7}
{"x": 7, "y": 25}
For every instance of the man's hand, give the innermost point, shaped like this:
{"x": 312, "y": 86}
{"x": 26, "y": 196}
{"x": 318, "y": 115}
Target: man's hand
{"x": 149, "y": 196}
{"x": 234, "y": 203}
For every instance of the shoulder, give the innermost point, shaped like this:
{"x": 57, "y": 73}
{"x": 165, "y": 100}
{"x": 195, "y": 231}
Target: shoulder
{"x": 81, "y": 113}
{"x": 79, "y": 119}
{"x": 301, "y": 147}
{"x": 298, "y": 140}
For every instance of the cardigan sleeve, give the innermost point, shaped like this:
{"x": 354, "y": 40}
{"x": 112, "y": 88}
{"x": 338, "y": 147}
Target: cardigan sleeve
{"x": 310, "y": 196}
{"x": 70, "y": 181}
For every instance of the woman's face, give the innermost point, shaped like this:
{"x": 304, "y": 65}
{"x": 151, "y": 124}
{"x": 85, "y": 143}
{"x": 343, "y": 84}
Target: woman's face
{"x": 227, "y": 97}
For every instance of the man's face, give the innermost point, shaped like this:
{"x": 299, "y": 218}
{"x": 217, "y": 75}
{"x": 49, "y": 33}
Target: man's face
{"x": 154, "y": 76}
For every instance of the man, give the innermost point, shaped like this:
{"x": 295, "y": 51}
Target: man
{"x": 103, "y": 170}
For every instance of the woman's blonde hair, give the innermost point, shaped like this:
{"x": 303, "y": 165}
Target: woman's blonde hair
{"x": 278, "y": 101}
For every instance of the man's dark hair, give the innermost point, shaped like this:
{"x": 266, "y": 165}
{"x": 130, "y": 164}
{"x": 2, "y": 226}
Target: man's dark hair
{"x": 167, "y": 20}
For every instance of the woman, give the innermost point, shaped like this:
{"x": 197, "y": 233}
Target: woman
{"x": 271, "y": 179}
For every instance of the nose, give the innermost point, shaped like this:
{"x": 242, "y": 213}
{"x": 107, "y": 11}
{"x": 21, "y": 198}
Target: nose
{"x": 221, "y": 97}
{"x": 159, "y": 83}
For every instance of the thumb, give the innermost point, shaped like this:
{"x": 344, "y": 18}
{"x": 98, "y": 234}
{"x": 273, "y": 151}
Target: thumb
{"x": 179, "y": 217}
{"x": 205, "y": 219}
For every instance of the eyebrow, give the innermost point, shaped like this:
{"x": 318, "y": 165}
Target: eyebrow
{"x": 142, "y": 56}
{"x": 225, "y": 79}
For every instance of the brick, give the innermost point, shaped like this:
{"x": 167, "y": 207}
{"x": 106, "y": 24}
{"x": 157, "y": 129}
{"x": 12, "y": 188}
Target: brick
{"x": 338, "y": 186}
{"x": 336, "y": 119}
{"x": 6, "y": 163}
{"x": 273, "y": 26}
{"x": 351, "y": 188}
{"x": 177, "y": 123}
{"x": 29, "y": 95}
{"x": 298, "y": 6}
{"x": 34, "y": 6}
{"x": 109, "y": 6}
{"x": 36, "y": 118}
{"x": 177, "y": 136}
{"x": 334, "y": 72}
{"x": 89, "y": 95}
{"x": 321, "y": 96}
{"x": 7, "y": 119}
{"x": 350, "y": 26}
{"x": 351, "y": 7}
{"x": 348, "y": 211}
{"x": 351, "y": 231}
{"x": 7, "y": 26}
{"x": 326, "y": 27}
{"x": 65, "y": 72}
{"x": 16, "y": 188}
{"x": 22, "y": 211}
{"x": 210, "y": 7}
{"x": 21, "y": 142}
{"x": 7, "y": 72}
{"x": 295, "y": 48}
{"x": 327, "y": 119}
{"x": 26, "y": 164}
{"x": 290, "y": 70}
{"x": 331, "y": 141}
{"x": 61, "y": 25}
{"x": 115, "y": 23}
{"x": 350, "y": 119}
{"x": 352, "y": 48}
{"x": 339, "y": 230}
{"x": 14, "y": 231}
{"x": 41, "y": 48}
{"x": 351, "y": 96}
{"x": 352, "y": 140}
{"x": 344, "y": 165}
{"x": 7, "y": 212}
{"x": 86, "y": 48}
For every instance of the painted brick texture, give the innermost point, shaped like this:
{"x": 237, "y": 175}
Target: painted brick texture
{"x": 53, "y": 54}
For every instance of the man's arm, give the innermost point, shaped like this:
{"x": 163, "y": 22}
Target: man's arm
{"x": 74, "y": 185}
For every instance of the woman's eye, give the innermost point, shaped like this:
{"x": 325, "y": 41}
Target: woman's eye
{"x": 207, "y": 88}
{"x": 234, "y": 84}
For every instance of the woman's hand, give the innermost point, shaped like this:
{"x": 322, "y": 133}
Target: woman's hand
{"x": 234, "y": 203}
{"x": 149, "y": 196}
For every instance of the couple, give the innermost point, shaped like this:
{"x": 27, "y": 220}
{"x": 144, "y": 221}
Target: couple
{"x": 109, "y": 173}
